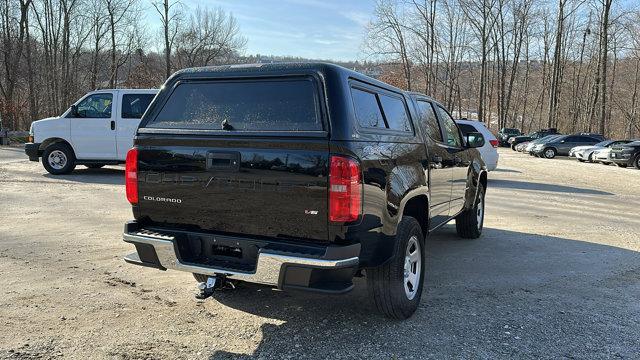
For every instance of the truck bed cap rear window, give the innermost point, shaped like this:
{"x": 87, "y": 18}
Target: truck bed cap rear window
{"x": 242, "y": 105}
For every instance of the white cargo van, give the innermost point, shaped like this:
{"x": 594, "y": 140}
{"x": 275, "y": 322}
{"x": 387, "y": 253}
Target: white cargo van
{"x": 95, "y": 131}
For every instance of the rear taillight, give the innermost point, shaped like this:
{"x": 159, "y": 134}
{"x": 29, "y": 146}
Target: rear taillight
{"x": 131, "y": 176}
{"x": 345, "y": 189}
{"x": 494, "y": 143}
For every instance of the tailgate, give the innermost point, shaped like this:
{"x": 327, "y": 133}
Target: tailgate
{"x": 241, "y": 186}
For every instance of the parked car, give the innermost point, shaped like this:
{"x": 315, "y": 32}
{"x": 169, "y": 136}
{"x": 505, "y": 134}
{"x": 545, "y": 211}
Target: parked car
{"x": 489, "y": 151}
{"x": 89, "y": 133}
{"x": 505, "y": 133}
{"x": 531, "y": 144}
{"x": 515, "y": 140}
{"x": 370, "y": 170}
{"x": 585, "y": 152}
{"x": 626, "y": 154}
{"x": 562, "y": 145}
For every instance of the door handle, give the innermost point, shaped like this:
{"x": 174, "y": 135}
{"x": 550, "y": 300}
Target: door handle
{"x": 113, "y": 125}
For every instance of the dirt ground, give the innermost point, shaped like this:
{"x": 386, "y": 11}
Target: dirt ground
{"x": 556, "y": 274}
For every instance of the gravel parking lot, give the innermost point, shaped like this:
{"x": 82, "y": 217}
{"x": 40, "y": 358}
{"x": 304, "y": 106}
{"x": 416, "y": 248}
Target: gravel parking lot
{"x": 556, "y": 274}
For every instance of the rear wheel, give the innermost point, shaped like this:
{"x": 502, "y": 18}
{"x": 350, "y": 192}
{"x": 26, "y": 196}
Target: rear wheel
{"x": 469, "y": 223}
{"x": 636, "y": 163}
{"x": 549, "y": 153}
{"x": 396, "y": 287}
{"x": 513, "y": 147}
{"x": 58, "y": 159}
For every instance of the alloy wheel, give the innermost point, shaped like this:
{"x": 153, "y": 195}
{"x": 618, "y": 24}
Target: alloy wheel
{"x": 412, "y": 267}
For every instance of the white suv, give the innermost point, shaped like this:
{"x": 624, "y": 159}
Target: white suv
{"x": 89, "y": 133}
{"x": 488, "y": 152}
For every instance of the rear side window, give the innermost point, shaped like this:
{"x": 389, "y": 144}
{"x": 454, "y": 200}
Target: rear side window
{"x": 466, "y": 129}
{"x": 134, "y": 105}
{"x": 367, "y": 109}
{"x": 429, "y": 120}
{"x": 395, "y": 112}
{"x": 254, "y": 105}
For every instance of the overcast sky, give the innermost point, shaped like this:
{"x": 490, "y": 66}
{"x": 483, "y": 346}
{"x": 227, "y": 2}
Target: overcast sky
{"x": 319, "y": 29}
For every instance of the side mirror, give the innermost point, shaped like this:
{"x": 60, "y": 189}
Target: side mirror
{"x": 475, "y": 140}
{"x": 74, "y": 110}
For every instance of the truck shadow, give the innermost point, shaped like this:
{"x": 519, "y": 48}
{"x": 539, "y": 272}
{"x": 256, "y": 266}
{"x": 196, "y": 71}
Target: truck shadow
{"x": 106, "y": 175}
{"x": 534, "y": 186}
{"x": 507, "y": 294}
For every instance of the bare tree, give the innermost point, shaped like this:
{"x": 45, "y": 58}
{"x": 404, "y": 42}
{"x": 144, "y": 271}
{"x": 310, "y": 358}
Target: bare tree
{"x": 388, "y": 37}
{"x": 211, "y": 36}
{"x": 170, "y": 17}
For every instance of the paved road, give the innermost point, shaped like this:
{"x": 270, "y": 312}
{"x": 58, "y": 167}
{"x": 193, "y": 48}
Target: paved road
{"x": 556, "y": 274}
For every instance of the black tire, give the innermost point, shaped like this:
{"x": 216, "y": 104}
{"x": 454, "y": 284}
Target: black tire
{"x": 513, "y": 147}
{"x": 550, "y": 153}
{"x": 386, "y": 283}
{"x": 63, "y": 159}
{"x": 94, "y": 166}
{"x": 636, "y": 162}
{"x": 468, "y": 225}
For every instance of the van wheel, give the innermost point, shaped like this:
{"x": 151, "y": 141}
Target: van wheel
{"x": 58, "y": 159}
{"x": 636, "y": 163}
{"x": 469, "y": 223}
{"x": 94, "y": 166}
{"x": 396, "y": 287}
{"x": 549, "y": 153}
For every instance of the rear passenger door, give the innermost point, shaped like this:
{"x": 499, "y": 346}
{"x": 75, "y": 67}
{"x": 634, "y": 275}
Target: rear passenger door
{"x": 440, "y": 171}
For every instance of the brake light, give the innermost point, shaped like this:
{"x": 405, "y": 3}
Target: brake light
{"x": 494, "y": 143}
{"x": 131, "y": 176}
{"x": 345, "y": 189}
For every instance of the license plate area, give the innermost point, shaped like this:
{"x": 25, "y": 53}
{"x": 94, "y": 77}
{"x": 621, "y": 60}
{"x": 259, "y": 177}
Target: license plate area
{"x": 219, "y": 252}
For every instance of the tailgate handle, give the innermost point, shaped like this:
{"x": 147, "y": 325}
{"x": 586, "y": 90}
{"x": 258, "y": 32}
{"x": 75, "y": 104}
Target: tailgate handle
{"x": 218, "y": 160}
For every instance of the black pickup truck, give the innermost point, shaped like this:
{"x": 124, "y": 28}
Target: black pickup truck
{"x": 299, "y": 176}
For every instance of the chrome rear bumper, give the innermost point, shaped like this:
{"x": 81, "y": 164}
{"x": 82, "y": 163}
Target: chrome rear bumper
{"x": 270, "y": 267}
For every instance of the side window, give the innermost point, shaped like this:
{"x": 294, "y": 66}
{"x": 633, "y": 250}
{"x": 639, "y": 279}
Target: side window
{"x": 466, "y": 129}
{"x": 95, "y": 106}
{"x": 367, "y": 109}
{"x": 134, "y": 105}
{"x": 395, "y": 113}
{"x": 428, "y": 120}
{"x": 572, "y": 139}
{"x": 450, "y": 129}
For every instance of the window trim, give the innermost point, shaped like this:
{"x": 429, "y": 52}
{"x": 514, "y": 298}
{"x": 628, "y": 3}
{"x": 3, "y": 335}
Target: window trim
{"x": 376, "y": 90}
